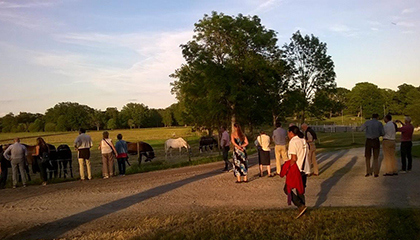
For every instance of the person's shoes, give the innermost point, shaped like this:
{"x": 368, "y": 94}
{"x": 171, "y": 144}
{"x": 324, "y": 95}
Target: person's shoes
{"x": 238, "y": 182}
{"x": 82, "y": 179}
{"x": 44, "y": 183}
{"x": 24, "y": 185}
{"x": 14, "y": 187}
{"x": 231, "y": 170}
{"x": 272, "y": 175}
{"x": 260, "y": 175}
{"x": 388, "y": 174}
{"x": 246, "y": 181}
{"x": 316, "y": 175}
{"x": 225, "y": 170}
{"x": 376, "y": 175}
{"x": 402, "y": 171}
{"x": 302, "y": 210}
{"x": 368, "y": 174}
{"x": 106, "y": 177}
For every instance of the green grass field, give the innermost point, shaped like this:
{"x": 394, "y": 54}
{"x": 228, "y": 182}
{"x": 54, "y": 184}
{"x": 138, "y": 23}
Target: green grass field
{"x": 318, "y": 223}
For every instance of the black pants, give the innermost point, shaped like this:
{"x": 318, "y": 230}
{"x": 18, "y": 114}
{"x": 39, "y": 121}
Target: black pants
{"x": 3, "y": 176}
{"x": 298, "y": 199}
{"x": 42, "y": 169}
{"x": 121, "y": 165}
{"x": 228, "y": 164}
{"x": 406, "y": 154}
{"x": 372, "y": 145}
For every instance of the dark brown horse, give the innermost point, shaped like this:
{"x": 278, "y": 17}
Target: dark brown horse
{"x": 142, "y": 149}
{"x": 52, "y": 165}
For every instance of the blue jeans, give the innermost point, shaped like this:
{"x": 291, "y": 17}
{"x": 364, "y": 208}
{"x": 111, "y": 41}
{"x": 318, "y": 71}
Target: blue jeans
{"x": 121, "y": 165}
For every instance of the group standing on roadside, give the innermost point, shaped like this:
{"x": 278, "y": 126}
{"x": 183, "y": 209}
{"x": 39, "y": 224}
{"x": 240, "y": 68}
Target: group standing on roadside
{"x": 373, "y": 131}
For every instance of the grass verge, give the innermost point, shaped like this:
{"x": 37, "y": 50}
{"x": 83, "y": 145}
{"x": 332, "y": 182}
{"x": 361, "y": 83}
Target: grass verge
{"x": 319, "y": 223}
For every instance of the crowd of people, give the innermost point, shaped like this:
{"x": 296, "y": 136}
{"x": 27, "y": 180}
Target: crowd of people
{"x": 374, "y": 129}
{"x": 295, "y": 152}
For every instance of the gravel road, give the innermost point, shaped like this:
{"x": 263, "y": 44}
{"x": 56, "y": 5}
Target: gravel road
{"x": 71, "y": 209}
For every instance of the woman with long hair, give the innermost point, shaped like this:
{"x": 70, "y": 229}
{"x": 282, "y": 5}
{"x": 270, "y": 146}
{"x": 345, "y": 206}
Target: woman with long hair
{"x": 240, "y": 158}
{"x": 41, "y": 151}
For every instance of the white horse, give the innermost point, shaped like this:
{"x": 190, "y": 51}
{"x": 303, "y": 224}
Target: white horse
{"x": 176, "y": 143}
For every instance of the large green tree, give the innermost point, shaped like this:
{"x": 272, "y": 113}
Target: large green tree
{"x": 230, "y": 65}
{"x": 74, "y": 116}
{"x": 365, "y": 99}
{"x": 312, "y": 68}
{"x": 138, "y": 112}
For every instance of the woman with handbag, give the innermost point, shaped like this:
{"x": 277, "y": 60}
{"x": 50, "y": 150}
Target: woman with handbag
{"x": 263, "y": 146}
{"x": 108, "y": 152}
{"x": 122, "y": 156}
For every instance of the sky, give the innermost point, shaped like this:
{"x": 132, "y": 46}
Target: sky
{"x": 108, "y": 53}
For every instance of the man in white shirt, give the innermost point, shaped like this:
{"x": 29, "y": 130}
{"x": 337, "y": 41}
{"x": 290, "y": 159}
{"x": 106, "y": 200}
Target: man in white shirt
{"x": 225, "y": 145}
{"x": 388, "y": 146}
{"x": 298, "y": 154}
{"x": 280, "y": 139}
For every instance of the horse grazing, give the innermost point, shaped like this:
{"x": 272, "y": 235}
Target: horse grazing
{"x": 142, "y": 149}
{"x": 64, "y": 158}
{"x": 176, "y": 143}
{"x": 207, "y": 141}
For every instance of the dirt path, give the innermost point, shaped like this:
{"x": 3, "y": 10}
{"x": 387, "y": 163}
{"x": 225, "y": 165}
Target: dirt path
{"x": 71, "y": 209}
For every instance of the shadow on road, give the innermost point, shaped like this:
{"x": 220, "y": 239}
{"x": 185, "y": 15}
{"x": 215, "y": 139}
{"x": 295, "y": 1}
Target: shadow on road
{"x": 329, "y": 183}
{"x": 55, "y": 229}
{"x": 332, "y": 161}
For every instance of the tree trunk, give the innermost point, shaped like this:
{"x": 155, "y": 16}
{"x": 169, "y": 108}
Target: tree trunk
{"x": 275, "y": 117}
{"x": 303, "y": 116}
{"x": 210, "y": 129}
{"x": 233, "y": 120}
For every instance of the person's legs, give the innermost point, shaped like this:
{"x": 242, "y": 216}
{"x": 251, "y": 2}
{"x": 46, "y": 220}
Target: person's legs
{"x": 403, "y": 149}
{"x": 367, "y": 156}
{"x": 110, "y": 158}
{"x": 409, "y": 156}
{"x": 104, "y": 166}
{"x": 123, "y": 165}
{"x": 14, "y": 164}
{"x": 82, "y": 168}
{"x": 42, "y": 170}
{"x": 277, "y": 153}
{"x": 312, "y": 157}
{"x": 386, "y": 147}
{"x": 269, "y": 170}
{"x": 22, "y": 172}
{"x": 226, "y": 157}
{"x": 88, "y": 168}
{"x": 119, "y": 161}
{"x": 393, "y": 160}
{"x": 3, "y": 175}
{"x": 376, "y": 149}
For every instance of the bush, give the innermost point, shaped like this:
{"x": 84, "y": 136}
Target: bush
{"x": 50, "y": 127}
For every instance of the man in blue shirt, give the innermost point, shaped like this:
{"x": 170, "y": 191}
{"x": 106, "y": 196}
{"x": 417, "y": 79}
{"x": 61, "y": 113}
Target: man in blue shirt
{"x": 373, "y": 130}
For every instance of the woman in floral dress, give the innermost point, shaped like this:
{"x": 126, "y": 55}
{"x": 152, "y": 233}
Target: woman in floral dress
{"x": 240, "y": 158}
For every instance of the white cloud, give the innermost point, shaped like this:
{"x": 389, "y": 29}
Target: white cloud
{"x": 265, "y": 5}
{"x": 344, "y": 30}
{"x": 408, "y": 10}
{"x": 26, "y": 4}
{"x": 158, "y": 55}
{"x": 406, "y": 24}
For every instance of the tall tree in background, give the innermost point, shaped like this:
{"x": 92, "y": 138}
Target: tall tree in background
{"x": 312, "y": 68}
{"x": 138, "y": 112}
{"x": 224, "y": 70}
{"x": 365, "y": 99}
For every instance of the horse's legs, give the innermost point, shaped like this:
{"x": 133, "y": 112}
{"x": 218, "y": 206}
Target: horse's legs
{"x": 140, "y": 158}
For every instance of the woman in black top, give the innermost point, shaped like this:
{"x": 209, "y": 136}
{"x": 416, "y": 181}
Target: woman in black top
{"x": 42, "y": 151}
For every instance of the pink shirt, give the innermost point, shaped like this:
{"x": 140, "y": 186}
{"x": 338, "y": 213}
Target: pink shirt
{"x": 406, "y": 132}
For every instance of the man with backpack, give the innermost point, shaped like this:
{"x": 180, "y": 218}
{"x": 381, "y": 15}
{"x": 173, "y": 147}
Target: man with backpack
{"x": 311, "y": 138}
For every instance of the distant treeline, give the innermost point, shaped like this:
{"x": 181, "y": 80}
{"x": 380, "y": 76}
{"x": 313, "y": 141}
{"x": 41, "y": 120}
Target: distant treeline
{"x": 363, "y": 100}
{"x": 70, "y": 116}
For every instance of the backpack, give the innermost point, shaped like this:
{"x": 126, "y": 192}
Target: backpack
{"x": 312, "y": 133}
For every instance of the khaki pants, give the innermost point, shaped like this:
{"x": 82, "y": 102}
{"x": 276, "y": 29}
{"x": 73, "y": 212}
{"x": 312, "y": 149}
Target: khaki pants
{"x": 18, "y": 165}
{"x": 390, "y": 161}
{"x": 312, "y": 157}
{"x": 281, "y": 156}
{"x": 82, "y": 168}
{"x": 107, "y": 164}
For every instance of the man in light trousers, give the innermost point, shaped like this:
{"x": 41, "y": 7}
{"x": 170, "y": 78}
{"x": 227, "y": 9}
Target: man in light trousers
{"x": 16, "y": 154}
{"x": 280, "y": 140}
